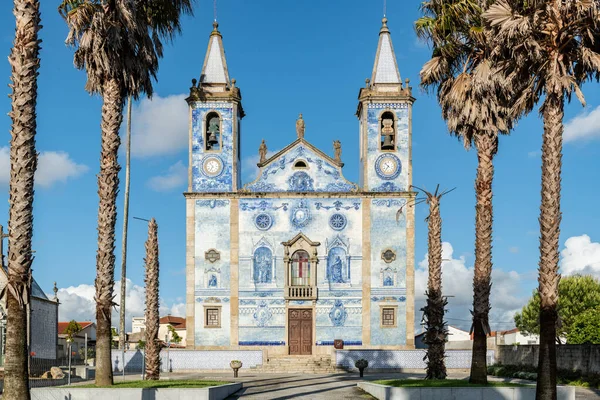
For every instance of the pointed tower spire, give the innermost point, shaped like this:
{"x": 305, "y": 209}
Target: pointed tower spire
{"x": 385, "y": 69}
{"x": 214, "y": 70}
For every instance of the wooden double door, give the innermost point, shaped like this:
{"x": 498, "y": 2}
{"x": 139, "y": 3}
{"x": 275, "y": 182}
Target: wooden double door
{"x": 300, "y": 323}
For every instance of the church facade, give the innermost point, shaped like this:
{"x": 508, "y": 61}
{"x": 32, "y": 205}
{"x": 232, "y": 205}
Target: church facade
{"x": 300, "y": 258}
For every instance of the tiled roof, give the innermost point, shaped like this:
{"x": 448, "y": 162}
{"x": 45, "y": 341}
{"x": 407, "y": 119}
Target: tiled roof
{"x": 386, "y": 68}
{"x": 215, "y": 66}
{"x": 63, "y": 325}
{"x": 173, "y": 321}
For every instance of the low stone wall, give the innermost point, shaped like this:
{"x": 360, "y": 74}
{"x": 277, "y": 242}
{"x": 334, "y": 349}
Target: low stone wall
{"x": 585, "y": 358}
{"x": 383, "y": 392}
{"x": 73, "y": 393}
{"x": 188, "y": 360}
{"x": 403, "y": 359}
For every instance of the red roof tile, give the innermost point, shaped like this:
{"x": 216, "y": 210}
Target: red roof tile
{"x": 62, "y": 326}
{"x": 173, "y": 321}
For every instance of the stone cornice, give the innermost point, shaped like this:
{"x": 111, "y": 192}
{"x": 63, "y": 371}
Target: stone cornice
{"x": 372, "y": 95}
{"x": 232, "y": 94}
{"x": 320, "y": 195}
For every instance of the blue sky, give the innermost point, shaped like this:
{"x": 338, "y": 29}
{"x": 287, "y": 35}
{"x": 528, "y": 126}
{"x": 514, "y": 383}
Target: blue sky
{"x": 287, "y": 57}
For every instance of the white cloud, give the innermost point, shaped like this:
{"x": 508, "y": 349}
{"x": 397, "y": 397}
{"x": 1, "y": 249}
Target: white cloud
{"x": 77, "y": 302}
{"x": 534, "y": 154}
{"x": 457, "y": 281}
{"x": 514, "y": 249}
{"x": 580, "y": 256}
{"x": 584, "y": 127}
{"x": 53, "y": 167}
{"x": 159, "y": 126}
{"x": 175, "y": 177}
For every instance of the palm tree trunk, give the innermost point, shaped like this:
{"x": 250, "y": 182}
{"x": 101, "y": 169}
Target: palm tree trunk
{"x": 435, "y": 337}
{"x": 24, "y": 61}
{"x": 550, "y": 217}
{"x": 152, "y": 315}
{"x": 125, "y": 223}
{"x": 487, "y": 145}
{"x": 108, "y": 186}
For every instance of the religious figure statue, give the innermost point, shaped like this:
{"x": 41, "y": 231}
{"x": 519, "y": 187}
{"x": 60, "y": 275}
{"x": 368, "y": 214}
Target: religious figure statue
{"x": 212, "y": 281}
{"x": 262, "y": 151}
{"x": 336, "y": 271}
{"x": 337, "y": 149}
{"x": 300, "y": 127}
{"x": 262, "y": 266}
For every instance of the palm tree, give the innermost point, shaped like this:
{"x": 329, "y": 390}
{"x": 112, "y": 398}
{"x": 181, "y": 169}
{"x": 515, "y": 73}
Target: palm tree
{"x": 472, "y": 98}
{"x": 552, "y": 47}
{"x": 118, "y": 43}
{"x": 24, "y": 61}
{"x": 125, "y": 223}
{"x": 152, "y": 317}
{"x": 436, "y": 335}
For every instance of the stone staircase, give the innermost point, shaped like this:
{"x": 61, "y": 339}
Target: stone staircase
{"x": 297, "y": 364}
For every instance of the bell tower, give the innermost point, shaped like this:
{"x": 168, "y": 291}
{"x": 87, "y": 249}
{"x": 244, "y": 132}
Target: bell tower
{"x": 215, "y": 120}
{"x": 385, "y": 119}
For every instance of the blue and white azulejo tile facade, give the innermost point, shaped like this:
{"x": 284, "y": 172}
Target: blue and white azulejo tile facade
{"x": 300, "y": 238}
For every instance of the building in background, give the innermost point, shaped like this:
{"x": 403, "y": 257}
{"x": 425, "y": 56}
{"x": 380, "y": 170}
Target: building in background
{"x": 300, "y": 257}
{"x": 138, "y": 324}
{"x": 178, "y": 328}
{"x": 42, "y": 315}
{"x": 514, "y": 336}
{"x": 455, "y": 336}
{"x": 88, "y": 332}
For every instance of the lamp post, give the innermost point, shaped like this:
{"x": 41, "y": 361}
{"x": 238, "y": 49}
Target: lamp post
{"x": 168, "y": 347}
{"x": 69, "y": 341}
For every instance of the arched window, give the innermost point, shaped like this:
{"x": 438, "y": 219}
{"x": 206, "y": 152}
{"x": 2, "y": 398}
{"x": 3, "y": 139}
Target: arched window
{"x": 300, "y": 268}
{"x": 388, "y": 131}
{"x": 300, "y": 165}
{"x": 212, "y": 134}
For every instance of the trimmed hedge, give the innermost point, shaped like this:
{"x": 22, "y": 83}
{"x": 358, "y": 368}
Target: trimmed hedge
{"x": 564, "y": 377}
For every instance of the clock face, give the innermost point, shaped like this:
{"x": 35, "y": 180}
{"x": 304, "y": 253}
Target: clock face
{"x": 212, "y": 166}
{"x": 387, "y": 166}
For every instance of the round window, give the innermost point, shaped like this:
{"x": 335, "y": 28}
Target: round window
{"x": 263, "y": 221}
{"x": 337, "y": 222}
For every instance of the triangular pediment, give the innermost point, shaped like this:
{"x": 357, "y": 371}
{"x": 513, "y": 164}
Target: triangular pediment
{"x": 300, "y": 167}
{"x": 300, "y": 236}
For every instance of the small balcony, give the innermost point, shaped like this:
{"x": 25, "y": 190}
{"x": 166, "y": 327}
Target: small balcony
{"x": 300, "y": 293}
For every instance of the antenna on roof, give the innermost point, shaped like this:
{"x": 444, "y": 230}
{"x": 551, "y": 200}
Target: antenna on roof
{"x": 384, "y": 7}
{"x": 215, "y": 9}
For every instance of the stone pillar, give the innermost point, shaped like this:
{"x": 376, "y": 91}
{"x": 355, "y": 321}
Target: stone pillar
{"x": 234, "y": 268}
{"x": 190, "y": 272}
{"x": 366, "y": 272}
{"x": 410, "y": 276}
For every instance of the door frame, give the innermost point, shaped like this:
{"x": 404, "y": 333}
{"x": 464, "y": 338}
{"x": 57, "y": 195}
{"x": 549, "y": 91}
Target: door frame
{"x": 312, "y": 307}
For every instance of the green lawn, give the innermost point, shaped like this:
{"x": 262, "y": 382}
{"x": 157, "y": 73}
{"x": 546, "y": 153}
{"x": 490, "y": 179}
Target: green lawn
{"x": 440, "y": 383}
{"x": 159, "y": 384}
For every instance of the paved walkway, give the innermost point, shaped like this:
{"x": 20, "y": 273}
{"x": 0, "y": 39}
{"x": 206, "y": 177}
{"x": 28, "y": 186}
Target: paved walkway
{"x": 329, "y": 387}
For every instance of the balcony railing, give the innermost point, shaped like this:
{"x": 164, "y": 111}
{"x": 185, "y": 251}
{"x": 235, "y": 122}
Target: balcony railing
{"x": 300, "y": 293}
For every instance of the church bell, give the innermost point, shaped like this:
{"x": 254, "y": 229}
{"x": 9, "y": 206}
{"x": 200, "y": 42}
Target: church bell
{"x": 388, "y": 132}
{"x": 212, "y": 139}
{"x": 387, "y": 143}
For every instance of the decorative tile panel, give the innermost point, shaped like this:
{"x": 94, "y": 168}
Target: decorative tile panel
{"x": 320, "y": 176}
{"x": 223, "y": 182}
{"x": 189, "y": 360}
{"x": 397, "y": 182}
{"x": 403, "y": 359}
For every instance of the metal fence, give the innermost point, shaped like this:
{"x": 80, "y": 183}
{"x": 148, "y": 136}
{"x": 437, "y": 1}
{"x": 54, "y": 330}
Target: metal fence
{"x": 52, "y": 372}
